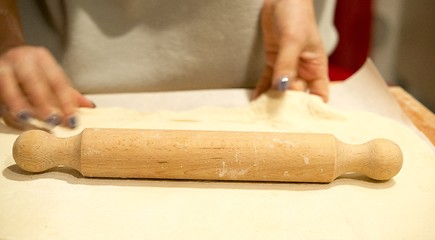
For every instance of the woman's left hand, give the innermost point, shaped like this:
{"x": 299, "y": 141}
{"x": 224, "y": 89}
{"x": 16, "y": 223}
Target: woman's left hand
{"x": 295, "y": 57}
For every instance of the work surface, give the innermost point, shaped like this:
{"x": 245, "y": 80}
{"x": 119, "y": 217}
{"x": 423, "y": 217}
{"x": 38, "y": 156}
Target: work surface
{"x": 62, "y": 205}
{"x": 420, "y": 116}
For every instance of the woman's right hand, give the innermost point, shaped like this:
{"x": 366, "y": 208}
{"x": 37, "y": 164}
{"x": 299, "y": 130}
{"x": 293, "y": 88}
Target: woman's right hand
{"x": 295, "y": 57}
{"x": 34, "y": 85}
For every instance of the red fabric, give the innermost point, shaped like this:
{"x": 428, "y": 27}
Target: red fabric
{"x": 353, "y": 20}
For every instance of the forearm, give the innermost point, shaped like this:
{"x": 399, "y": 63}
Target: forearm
{"x": 10, "y": 26}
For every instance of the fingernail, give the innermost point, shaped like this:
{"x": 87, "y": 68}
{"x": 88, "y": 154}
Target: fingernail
{"x": 72, "y": 122}
{"x": 93, "y": 104}
{"x": 53, "y": 120}
{"x": 283, "y": 83}
{"x": 23, "y": 116}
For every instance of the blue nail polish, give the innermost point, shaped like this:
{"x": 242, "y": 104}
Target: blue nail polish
{"x": 53, "y": 120}
{"x": 283, "y": 84}
{"x": 72, "y": 122}
{"x": 23, "y": 116}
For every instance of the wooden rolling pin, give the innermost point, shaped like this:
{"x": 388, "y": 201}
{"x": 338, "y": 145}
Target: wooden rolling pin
{"x": 207, "y": 155}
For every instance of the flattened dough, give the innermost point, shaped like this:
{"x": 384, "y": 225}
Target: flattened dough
{"x": 62, "y": 205}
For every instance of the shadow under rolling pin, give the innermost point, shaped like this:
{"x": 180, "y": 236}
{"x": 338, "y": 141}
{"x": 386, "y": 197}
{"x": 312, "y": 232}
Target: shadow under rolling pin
{"x": 207, "y": 155}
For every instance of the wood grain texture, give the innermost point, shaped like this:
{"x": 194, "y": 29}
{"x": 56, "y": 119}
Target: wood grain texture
{"x": 207, "y": 155}
{"x": 422, "y": 117}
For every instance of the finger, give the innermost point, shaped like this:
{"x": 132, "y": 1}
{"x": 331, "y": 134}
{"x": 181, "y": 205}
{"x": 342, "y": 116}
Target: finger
{"x": 269, "y": 33}
{"x": 12, "y": 97}
{"x": 264, "y": 83}
{"x": 298, "y": 85}
{"x": 301, "y": 73}
{"x": 34, "y": 84}
{"x": 285, "y": 68}
{"x": 60, "y": 86}
{"x": 289, "y": 45}
{"x": 321, "y": 88}
{"x": 11, "y": 121}
{"x": 32, "y": 124}
{"x": 314, "y": 69}
{"x": 82, "y": 100}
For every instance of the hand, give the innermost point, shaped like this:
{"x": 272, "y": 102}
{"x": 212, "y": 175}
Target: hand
{"x": 33, "y": 85}
{"x": 293, "y": 48}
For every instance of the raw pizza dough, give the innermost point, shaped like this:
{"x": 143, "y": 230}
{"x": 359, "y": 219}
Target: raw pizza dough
{"x": 62, "y": 205}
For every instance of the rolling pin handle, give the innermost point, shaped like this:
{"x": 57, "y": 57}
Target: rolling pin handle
{"x": 379, "y": 159}
{"x": 37, "y": 151}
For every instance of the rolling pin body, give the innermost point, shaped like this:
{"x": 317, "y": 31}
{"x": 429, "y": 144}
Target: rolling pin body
{"x": 207, "y": 155}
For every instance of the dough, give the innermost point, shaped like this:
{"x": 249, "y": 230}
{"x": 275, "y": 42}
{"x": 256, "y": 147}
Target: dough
{"x": 62, "y": 205}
